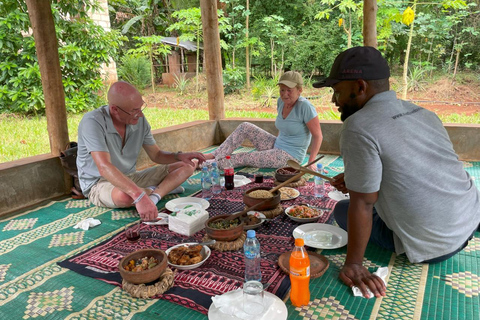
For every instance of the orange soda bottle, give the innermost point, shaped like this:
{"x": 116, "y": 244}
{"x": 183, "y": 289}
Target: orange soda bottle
{"x": 299, "y": 275}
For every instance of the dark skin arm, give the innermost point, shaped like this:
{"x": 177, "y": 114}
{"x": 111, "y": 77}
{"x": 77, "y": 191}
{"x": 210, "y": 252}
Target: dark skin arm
{"x": 359, "y": 227}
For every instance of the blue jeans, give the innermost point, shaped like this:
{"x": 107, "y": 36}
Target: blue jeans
{"x": 381, "y": 235}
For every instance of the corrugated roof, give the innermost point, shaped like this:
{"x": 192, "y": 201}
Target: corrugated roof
{"x": 186, "y": 44}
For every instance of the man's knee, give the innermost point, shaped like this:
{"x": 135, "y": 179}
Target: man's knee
{"x": 340, "y": 213}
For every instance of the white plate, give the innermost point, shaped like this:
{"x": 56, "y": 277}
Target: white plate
{"x": 304, "y": 219}
{"x": 294, "y": 192}
{"x": 180, "y": 203}
{"x": 313, "y": 232}
{"x": 258, "y": 215}
{"x": 338, "y": 195}
{"x": 191, "y": 266}
{"x": 238, "y": 180}
{"x": 277, "y": 310}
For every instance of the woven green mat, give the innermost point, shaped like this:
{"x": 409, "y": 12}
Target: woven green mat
{"x": 32, "y": 285}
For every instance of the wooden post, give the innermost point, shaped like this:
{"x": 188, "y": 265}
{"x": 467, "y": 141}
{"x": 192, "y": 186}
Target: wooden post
{"x": 370, "y": 23}
{"x": 213, "y": 62}
{"x": 41, "y": 18}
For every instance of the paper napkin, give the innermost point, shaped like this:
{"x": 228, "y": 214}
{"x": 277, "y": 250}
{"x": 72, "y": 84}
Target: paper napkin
{"x": 87, "y": 223}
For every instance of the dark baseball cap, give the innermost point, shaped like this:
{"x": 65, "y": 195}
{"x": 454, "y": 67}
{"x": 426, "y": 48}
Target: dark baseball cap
{"x": 355, "y": 63}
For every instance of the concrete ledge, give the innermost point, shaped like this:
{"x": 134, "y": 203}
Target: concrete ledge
{"x": 32, "y": 180}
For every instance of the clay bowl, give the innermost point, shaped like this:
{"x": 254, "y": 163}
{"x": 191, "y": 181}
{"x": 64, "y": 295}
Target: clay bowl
{"x": 223, "y": 234}
{"x": 144, "y": 276}
{"x": 285, "y": 173}
{"x": 271, "y": 203}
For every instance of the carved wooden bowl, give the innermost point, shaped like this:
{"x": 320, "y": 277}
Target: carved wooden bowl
{"x": 271, "y": 203}
{"x": 144, "y": 276}
{"x": 229, "y": 234}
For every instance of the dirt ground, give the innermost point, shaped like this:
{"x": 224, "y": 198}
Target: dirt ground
{"x": 441, "y": 97}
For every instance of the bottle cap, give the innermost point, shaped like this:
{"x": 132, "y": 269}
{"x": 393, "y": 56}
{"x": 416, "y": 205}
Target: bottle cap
{"x": 227, "y": 157}
{"x": 251, "y": 234}
{"x": 319, "y": 166}
{"x": 298, "y": 242}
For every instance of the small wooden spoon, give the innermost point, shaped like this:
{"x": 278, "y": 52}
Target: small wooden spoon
{"x": 296, "y": 165}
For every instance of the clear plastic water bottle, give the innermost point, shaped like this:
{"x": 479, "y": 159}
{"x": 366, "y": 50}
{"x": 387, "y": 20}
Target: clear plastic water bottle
{"x": 206, "y": 183}
{"x": 215, "y": 174}
{"x": 319, "y": 183}
{"x": 251, "y": 249}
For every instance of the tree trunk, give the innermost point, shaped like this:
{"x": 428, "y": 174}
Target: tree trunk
{"x": 213, "y": 60}
{"x": 457, "y": 59}
{"x": 152, "y": 69}
{"x": 407, "y": 55}
{"x": 369, "y": 23}
{"x": 41, "y": 18}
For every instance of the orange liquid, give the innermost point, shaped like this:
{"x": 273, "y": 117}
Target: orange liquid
{"x": 299, "y": 278}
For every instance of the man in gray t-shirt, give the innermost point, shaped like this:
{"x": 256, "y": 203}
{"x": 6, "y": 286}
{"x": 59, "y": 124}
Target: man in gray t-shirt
{"x": 409, "y": 193}
{"x": 110, "y": 139}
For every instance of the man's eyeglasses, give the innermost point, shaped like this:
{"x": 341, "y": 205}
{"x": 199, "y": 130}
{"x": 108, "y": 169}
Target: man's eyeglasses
{"x": 135, "y": 112}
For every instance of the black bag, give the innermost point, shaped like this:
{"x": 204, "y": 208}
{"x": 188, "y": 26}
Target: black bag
{"x": 68, "y": 158}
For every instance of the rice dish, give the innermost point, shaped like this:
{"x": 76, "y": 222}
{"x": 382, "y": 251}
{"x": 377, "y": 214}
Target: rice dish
{"x": 260, "y": 194}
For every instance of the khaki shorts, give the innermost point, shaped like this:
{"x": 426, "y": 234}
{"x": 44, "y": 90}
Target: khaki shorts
{"x": 101, "y": 193}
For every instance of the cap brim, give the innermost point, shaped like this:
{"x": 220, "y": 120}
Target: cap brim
{"x": 325, "y": 82}
{"x": 289, "y": 84}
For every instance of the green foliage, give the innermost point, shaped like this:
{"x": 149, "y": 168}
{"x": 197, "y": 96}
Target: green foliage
{"x": 181, "y": 83}
{"x": 416, "y": 81}
{"x": 233, "y": 79}
{"x": 83, "y": 47}
{"x": 262, "y": 86}
{"x": 135, "y": 70}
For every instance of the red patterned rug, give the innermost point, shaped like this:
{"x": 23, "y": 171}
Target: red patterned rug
{"x": 223, "y": 271}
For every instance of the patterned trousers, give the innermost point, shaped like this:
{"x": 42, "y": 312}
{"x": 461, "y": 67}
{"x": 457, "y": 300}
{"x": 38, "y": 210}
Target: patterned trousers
{"x": 265, "y": 156}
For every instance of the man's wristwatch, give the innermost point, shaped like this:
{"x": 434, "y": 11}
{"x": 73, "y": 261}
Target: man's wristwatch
{"x": 176, "y": 155}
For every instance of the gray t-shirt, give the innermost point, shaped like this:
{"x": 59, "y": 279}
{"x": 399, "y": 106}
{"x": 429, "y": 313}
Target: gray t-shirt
{"x": 425, "y": 196}
{"x": 294, "y": 136}
{"x": 96, "y": 132}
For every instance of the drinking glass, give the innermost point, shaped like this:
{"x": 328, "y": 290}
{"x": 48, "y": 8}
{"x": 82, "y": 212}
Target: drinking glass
{"x": 253, "y": 297}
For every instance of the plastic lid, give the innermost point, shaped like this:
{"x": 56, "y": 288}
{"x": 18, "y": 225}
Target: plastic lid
{"x": 251, "y": 234}
{"x": 298, "y": 242}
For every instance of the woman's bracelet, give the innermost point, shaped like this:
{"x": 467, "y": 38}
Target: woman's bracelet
{"x": 139, "y": 197}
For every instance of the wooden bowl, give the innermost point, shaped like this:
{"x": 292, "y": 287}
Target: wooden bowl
{"x": 144, "y": 276}
{"x": 223, "y": 234}
{"x": 281, "y": 177}
{"x": 272, "y": 202}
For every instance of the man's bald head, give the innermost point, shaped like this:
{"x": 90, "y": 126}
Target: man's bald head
{"x": 124, "y": 95}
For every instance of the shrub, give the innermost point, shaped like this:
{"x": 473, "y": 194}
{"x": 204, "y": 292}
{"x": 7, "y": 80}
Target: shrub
{"x": 83, "y": 47}
{"x": 135, "y": 70}
{"x": 233, "y": 79}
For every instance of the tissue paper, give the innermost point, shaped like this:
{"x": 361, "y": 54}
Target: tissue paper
{"x": 188, "y": 220}
{"x": 87, "y": 223}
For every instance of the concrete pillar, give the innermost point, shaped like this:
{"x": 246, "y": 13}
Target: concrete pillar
{"x": 109, "y": 71}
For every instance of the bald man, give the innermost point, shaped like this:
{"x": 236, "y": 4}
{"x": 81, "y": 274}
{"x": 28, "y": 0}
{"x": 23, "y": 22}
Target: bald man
{"x": 109, "y": 141}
